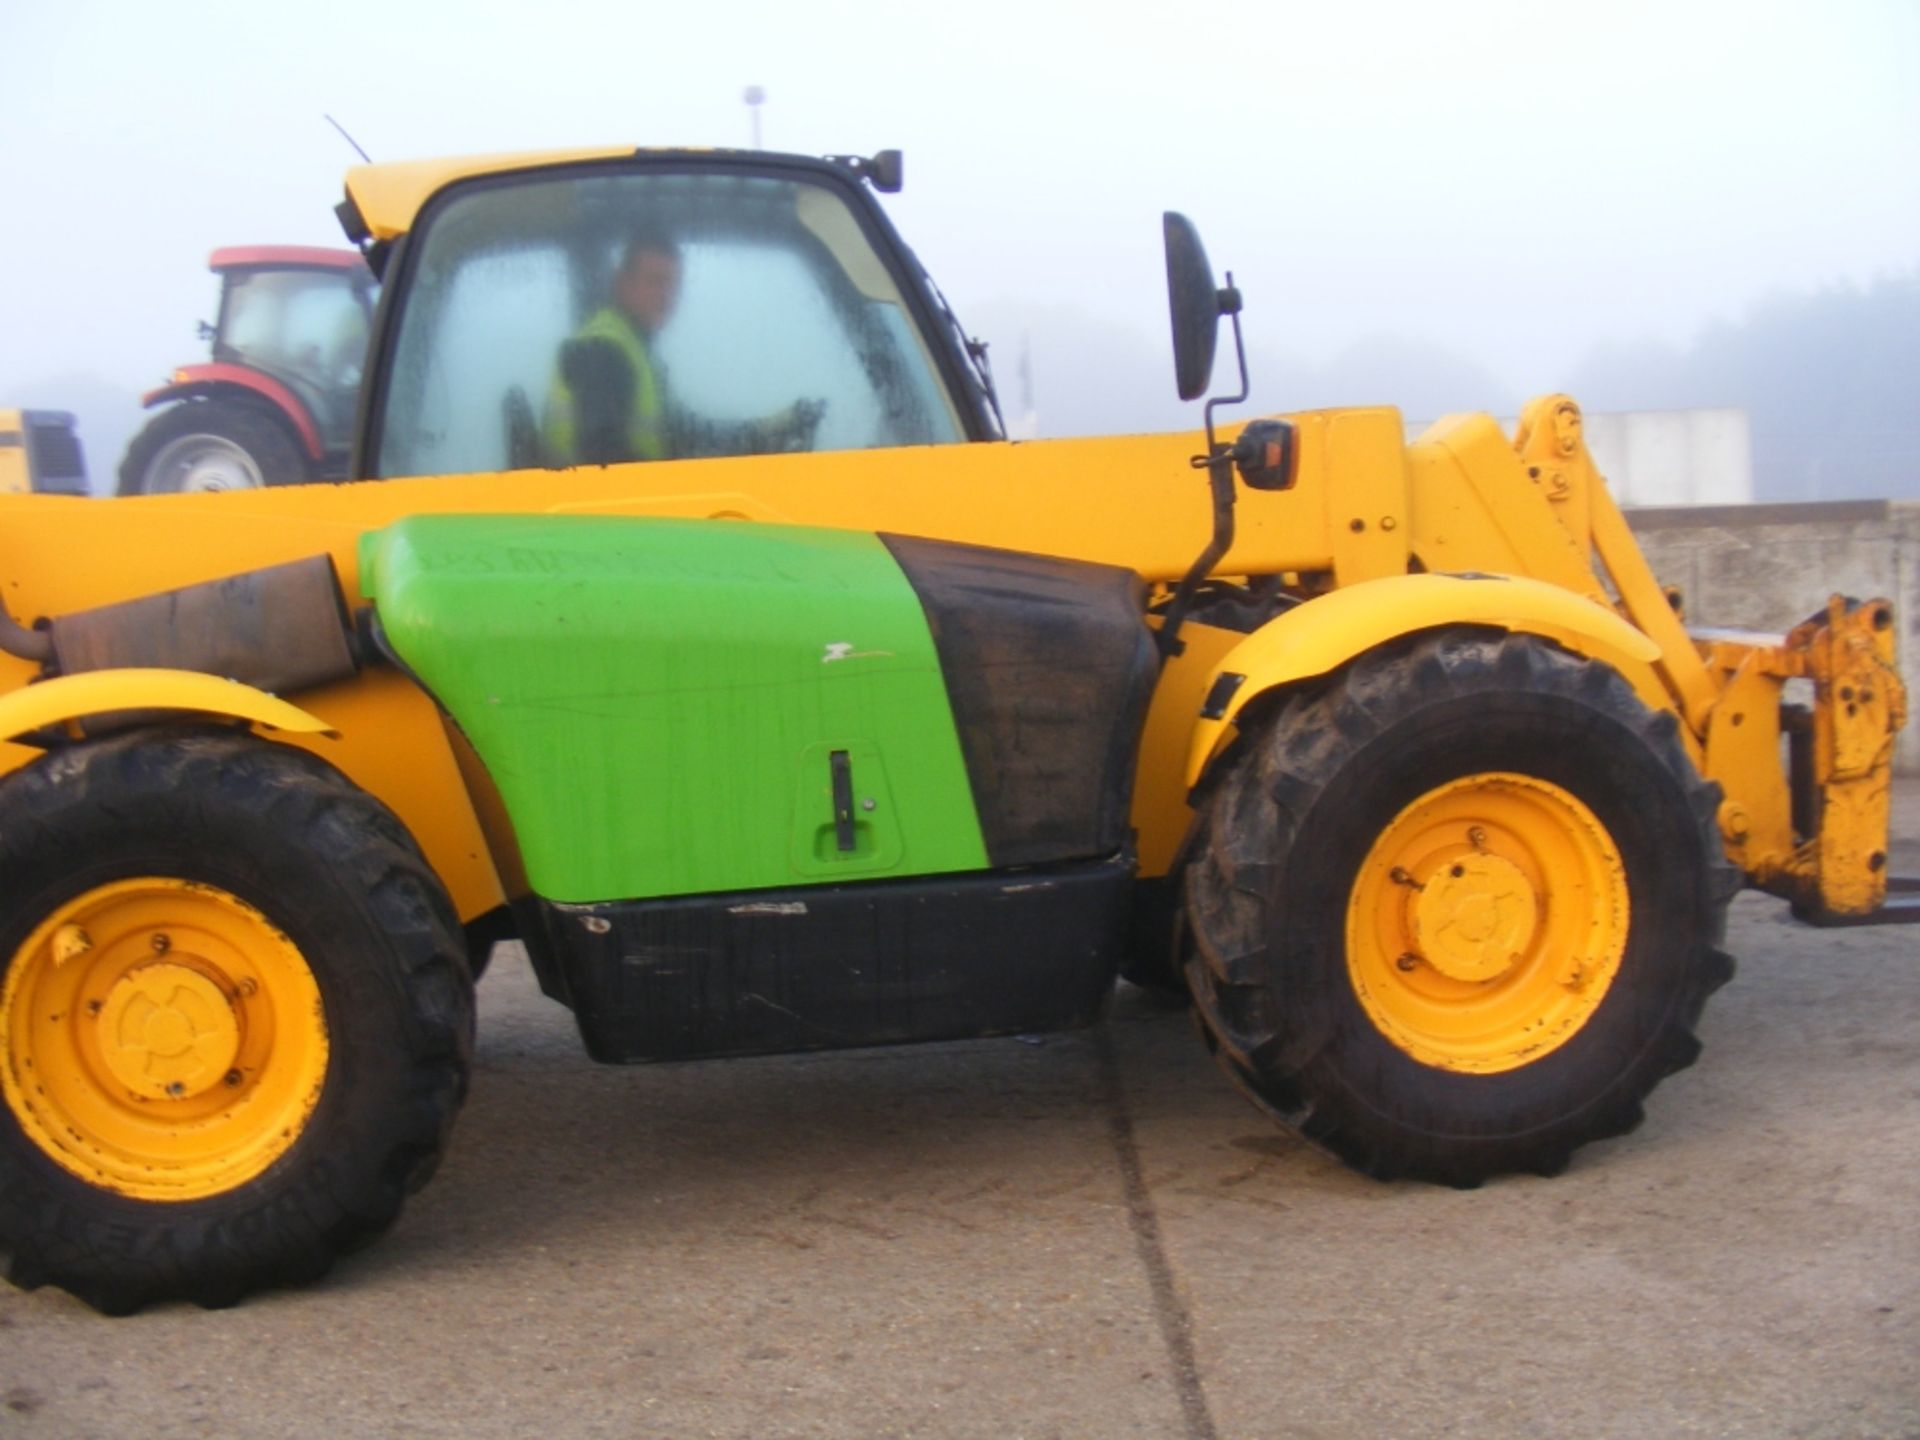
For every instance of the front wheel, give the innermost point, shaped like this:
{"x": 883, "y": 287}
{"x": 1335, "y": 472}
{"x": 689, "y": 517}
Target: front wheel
{"x": 1457, "y": 913}
{"x": 235, "y": 1019}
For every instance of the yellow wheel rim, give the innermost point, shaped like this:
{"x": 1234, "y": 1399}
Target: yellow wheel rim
{"x": 1487, "y": 923}
{"x": 163, "y": 1039}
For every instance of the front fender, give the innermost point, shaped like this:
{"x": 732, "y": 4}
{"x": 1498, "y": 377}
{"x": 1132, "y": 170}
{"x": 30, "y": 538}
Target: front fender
{"x": 33, "y": 708}
{"x": 1326, "y": 633}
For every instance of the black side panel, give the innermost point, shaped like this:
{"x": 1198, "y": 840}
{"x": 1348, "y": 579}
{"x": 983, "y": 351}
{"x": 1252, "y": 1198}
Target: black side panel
{"x": 1049, "y": 667}
{"x": 829, "y": 967}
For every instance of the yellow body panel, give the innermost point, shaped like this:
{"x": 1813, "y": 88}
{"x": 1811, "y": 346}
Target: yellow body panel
{"x": 1323, "y": 634}
{"x": 101, "y": 692}
{"x": 1160, "y": 810}
{"x": 1743, "y": 756}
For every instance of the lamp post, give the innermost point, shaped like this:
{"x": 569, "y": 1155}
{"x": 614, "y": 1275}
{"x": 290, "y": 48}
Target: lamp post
{"x": 755, "y": 96}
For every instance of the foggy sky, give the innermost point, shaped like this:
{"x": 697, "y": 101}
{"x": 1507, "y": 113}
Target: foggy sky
{"x": 1500, "y": 188}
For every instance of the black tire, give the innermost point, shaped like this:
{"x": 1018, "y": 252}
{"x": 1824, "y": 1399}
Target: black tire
{"x": 1295, "y": 815}
{"x": 222, "y": 431}
{"x": 337, "y": 873}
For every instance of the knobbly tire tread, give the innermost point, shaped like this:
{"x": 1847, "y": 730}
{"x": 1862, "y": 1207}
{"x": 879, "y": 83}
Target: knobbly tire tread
{"x": 1272, "y": 996}
{"x": 338, "y": 872}
{"x": 247, "y": 423}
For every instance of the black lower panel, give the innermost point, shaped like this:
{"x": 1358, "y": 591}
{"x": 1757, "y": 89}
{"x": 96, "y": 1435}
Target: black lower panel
{"x": 1049, "y": 669}
{"x": 828, "y": 967}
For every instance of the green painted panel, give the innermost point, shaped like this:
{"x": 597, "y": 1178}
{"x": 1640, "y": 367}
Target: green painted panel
{"x": 659, "y": 701}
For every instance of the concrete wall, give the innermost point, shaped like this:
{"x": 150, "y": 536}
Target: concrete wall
{"x": 1674, "y": 457}
{"x": 1768, "y": 567}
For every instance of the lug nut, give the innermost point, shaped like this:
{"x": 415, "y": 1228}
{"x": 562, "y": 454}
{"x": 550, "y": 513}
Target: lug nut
{"x": 1408, "y": 961}
{"x": 1476, "y": 837}
{"x": 234, "y": 1078}
{"x": 161, "y": 944}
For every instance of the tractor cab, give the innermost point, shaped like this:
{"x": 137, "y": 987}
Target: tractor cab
{"x": 300, "y": 316}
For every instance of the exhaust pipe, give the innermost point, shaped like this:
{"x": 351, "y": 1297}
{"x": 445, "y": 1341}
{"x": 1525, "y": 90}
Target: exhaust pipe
{"x": 24, "y": 644}
{"x": 282, "y": 629}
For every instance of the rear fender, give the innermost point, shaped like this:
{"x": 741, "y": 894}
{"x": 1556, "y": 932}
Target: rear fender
{"x": 73, "y": 699}
{"x": 1329, "y": 632}
{"x": 194, "y": 381}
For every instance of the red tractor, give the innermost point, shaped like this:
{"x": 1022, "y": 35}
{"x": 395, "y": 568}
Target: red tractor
{"x": 276, "y": 404}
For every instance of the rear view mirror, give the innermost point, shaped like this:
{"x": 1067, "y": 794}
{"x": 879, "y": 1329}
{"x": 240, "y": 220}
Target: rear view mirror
{"x": 1194, "y": 304}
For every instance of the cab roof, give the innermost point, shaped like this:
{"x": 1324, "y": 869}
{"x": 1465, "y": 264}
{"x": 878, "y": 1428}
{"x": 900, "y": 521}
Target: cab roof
{"x": 389, "y": 197}
{"x": 284, "y": 257}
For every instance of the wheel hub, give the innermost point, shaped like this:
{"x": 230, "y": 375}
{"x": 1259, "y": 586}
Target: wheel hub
{"x": 161, "y": 1038}
{"x": 1487, "y": 922}
{"x": 199, "y": 463}
{"x": 168, "y": 1032}
{"x": 1474, "y": 918}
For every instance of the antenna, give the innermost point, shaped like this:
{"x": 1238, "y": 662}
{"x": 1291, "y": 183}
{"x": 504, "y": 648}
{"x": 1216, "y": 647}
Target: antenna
{"x": 348, "y": 138}
{"x": 755, "y": 96}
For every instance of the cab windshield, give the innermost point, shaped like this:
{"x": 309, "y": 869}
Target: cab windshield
{"x": 608, "y": 316}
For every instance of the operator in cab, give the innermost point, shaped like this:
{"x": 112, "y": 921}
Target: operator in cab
{"x": 609, "y": 401}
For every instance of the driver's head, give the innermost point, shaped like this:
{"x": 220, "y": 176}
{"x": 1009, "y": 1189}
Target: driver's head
{"x": 647, "y": 284}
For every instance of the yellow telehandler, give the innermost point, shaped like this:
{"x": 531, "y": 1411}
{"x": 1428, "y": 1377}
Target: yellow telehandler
{"x": 689, "y": 619}
{"x": 40, "y": 451}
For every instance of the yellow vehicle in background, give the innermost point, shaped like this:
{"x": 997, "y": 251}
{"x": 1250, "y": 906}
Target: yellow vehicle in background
{"x": 847, "y": 722}
{"x": 40, "y": 451}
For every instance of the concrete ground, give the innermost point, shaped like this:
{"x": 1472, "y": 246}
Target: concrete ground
{"x": 1089, "y": 1236}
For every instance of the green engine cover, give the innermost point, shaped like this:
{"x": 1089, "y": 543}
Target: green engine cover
{"x": 660, "y": 702}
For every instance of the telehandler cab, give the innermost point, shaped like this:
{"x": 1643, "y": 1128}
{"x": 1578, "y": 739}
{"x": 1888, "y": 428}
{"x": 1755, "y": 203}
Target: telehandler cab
{"x": 1413, "y": 779}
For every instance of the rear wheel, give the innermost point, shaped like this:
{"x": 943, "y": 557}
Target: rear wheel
{"x": 1457, "y": 913}
{"x": 235, "y": 1015}
{"x": 216, "y": 444}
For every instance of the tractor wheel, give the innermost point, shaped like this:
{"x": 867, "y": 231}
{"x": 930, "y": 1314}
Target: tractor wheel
{"x": 1456, "y": 914}
{"x": 236, "y": 1020}
{"x": 216, "y": 444}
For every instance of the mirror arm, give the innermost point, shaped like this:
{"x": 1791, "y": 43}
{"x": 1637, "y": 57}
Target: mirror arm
{"x": 1219, "y": 467}
{"x": 1218, "y": 463}
{"x": 1229, "y": 301}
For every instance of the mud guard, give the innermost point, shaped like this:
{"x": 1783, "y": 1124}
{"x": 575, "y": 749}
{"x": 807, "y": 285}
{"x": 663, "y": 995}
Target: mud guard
{"x": 70, "y": 698}
{"x": 194, "y": 381}
{"x": 1326, "y": 633}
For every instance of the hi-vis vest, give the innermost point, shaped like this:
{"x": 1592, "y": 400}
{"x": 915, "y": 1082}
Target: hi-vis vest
{"x": 646, "y": 422}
